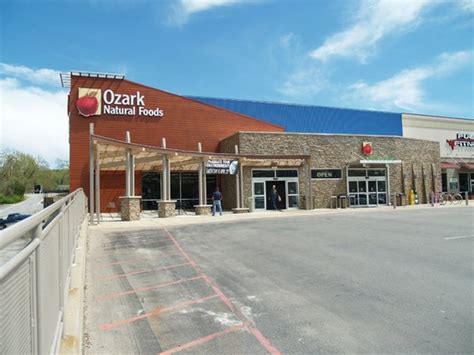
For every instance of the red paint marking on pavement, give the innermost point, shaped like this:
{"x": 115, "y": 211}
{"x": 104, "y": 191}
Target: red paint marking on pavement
{"x": 258, "y": 335}
{"x": 201, "y": 340}
{"x": 118, "y": 294}
{"x": 107, "y": 278}
{"x": 158, "y": 311}
{"x": 162, "y": 251}
{"x": 128, "y": 261}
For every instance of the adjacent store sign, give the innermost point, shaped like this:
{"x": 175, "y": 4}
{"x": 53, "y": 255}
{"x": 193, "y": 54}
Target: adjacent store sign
{"x": 222, "y": 167}
{"x": 326, "y": 174}
{"x": 94, "y": 102}
{"x": 463, "y": 140}
{"x": 380, "y": 160}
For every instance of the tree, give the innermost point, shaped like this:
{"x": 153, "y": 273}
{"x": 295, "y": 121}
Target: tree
{"x": 19, "y": 172}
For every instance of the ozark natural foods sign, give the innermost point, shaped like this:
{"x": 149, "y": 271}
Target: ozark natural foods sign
{"x": 94, "y": 102}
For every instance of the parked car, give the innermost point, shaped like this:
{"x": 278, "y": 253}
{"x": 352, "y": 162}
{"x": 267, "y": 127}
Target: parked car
{"x": 11, "y": 219}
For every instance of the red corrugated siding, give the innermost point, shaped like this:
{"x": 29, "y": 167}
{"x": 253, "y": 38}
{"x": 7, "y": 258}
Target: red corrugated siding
{"x": 184, "y": 124}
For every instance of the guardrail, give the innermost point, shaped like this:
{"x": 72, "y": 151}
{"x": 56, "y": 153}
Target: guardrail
{"x": 34, "y": 282}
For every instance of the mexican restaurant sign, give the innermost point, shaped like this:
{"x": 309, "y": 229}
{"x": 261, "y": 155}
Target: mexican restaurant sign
{"x": 221, "y": 166}
{"x": 94, "y": 102}
{"x": 463, "y": 140}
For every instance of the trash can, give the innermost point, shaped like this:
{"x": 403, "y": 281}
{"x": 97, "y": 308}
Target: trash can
{"x": 401, "y": 199}
{"x": 342, "y": 201}
{"x": 250, "y": 204}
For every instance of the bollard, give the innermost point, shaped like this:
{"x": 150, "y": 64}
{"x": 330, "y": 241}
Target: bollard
{"x": 467, "y": 198}
{"x": 432, "y": 198}
{"x": 394, "y": 201}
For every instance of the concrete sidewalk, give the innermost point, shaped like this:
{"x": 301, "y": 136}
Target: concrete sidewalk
{"x": 150, "y": 218}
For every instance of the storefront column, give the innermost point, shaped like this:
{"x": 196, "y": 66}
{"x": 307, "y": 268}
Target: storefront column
{"x": 166, "y": 207}
{"x": 309, "y": 192}
{"x": 97, "y": 185}
{"x": 202, "y": 208}
{"x": 237, "y": 183}
{"x": 91, "y": 174}
{"x": 239, "y": 188}
{"x": 389, "y": 194}
{"x": 129, "y": 204}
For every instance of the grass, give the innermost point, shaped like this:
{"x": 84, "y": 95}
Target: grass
{"x": 4, "y": 200}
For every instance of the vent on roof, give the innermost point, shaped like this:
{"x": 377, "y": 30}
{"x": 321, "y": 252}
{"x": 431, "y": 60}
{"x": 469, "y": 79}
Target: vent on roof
{"x": 66, "y": 77}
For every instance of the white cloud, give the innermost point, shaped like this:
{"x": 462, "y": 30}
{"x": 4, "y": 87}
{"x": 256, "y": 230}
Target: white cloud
{"x": 287, "y": 40}
{"x": 375, "y": 19}
{"x": 467, "y": 5}
{"x": 36, "y": 76}
{"x": 185, "y": 8}
{"x": 33, "y": 120}
{"x": 405, "y": 90}
{"x": 304, "y": 82}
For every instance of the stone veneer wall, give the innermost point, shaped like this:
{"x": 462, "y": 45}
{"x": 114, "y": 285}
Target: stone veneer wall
{"x": 227, "y": 181}
{"x": 418, "y": 157}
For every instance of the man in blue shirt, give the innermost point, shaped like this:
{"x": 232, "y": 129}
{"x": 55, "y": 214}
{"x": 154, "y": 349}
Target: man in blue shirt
{"x": 216, "y": 201}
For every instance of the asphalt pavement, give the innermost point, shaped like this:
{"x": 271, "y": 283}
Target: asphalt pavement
{"x": 365, "y": 282}
{"x": 32, "y": 204}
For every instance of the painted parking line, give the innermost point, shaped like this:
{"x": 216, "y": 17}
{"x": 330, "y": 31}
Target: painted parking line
{"x": 129, "y": 254}
{"x": 128, "y": 261}
{"x": 143, "y": 289}
{"x": 459, "y": 237}
{"x": 257, "y": 334}
{"x": 155, "y": 312}
{"x": 107, "y": 278}
{"x": 202, "y": 340}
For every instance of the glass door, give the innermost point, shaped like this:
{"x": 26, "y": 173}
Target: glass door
{"x": 259, "y": 195}
{"x": 292, "y": 194}
{"x": 358, "y": 192}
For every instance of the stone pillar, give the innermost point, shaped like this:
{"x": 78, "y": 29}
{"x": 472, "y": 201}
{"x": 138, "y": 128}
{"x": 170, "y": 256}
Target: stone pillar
{"x": 130, "y": 208}
{"x": 166, "y": 209}
{"x": 203, "y": 210}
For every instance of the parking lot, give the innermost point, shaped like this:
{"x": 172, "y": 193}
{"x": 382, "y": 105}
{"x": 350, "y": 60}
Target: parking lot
{"x": 365, "y": 282}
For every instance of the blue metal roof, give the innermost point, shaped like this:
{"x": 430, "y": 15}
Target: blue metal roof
{"x": 314, "y": 119}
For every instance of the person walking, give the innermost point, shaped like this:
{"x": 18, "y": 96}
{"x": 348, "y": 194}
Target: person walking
{"x": 216, "y": 201}
{"x": 274, "y": 197}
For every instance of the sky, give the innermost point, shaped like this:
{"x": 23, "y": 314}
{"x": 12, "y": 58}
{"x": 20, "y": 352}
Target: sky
{"x": 413, "y": 56}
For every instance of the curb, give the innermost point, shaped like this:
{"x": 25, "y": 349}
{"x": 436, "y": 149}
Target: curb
{"x": 71, "y": 342}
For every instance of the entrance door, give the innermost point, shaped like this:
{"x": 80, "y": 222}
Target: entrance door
{"x": 259, "y": 195}
{"x": 367, "y": 187}
{"x": 281, "y": 188}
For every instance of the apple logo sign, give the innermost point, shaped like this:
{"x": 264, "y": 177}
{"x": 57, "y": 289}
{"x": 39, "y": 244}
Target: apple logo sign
{"x": 88, "y": 102}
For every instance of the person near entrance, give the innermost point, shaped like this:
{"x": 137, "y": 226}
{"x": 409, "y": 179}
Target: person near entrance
{"x": 216, "y": 201}
{"x": 274, "y": 196}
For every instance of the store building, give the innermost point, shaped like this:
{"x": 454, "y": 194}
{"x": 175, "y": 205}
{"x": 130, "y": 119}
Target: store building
{"x": 141, "y": 147}
{"x": 456, "y": 141}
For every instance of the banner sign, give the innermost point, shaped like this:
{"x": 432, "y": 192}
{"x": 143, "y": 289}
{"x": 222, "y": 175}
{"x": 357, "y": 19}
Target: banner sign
{"x": 222, "y": 167}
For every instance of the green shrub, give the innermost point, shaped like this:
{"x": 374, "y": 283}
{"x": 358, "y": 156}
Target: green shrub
{"x": 10, "y": 199}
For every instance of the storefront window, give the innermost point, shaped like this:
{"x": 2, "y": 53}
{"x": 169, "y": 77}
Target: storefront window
{"x": 356, "y": 172}
{"x": 263, "y": 173}
{"x": 463, "y": 182}
{"x": 287, "y": 173}
{"x": 444, "y": 182}
{"x": 378, "y": 172}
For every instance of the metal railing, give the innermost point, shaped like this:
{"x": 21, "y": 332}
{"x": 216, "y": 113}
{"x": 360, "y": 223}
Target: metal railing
{"x": 34, "y": 282}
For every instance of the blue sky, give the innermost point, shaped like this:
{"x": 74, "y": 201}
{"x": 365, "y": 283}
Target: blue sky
{"x": 396, "y": 55}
